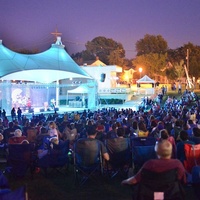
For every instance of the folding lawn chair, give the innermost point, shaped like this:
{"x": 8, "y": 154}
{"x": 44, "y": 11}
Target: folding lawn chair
{"x": 87, "y": 161}
{"x": 120, "y": 156}
{"x": 143, "y": 149}
{"x": 56, "y": 159}
{"x": 20, "y": 159}
{"x": 7, "y": 194}
{"x": 159, "y": 186}
{"x": 192, "y": 166}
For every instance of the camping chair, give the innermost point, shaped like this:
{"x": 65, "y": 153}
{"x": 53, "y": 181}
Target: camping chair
{"x": 143, "y": 149}
{"x": 192, "y": 155}
{"x": 19, "y": 193}
{"x": 192, "y": 166}
{"x": 143, "y": 141}
{"x": 3, "y": 153}
{"x": 56, "y": 159}
{"x": 159, "y": 186}
{"x": 87, "y": 161}
{"x": 120, "y": 156}
{"x": 20, "y": 159}
{"x": 7, "y": 194}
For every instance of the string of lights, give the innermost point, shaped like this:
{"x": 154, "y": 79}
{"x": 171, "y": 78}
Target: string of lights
{"x": 48, "y": 39}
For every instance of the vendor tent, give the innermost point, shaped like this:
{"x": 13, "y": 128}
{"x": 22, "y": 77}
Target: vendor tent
{"x": 82, "y": 89}
{"x": 145, "y": 79}
{"x": 146, "y": 90}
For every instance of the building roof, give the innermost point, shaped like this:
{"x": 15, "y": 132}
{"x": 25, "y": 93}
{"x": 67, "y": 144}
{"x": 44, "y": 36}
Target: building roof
{"x": 98, "y": 63}
{"x": 46, "y": 67}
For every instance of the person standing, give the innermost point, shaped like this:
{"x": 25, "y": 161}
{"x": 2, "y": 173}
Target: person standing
{"x": 13, "y": 113}
{"x": 179, "y": 88}
{"x": 19, "y": 114}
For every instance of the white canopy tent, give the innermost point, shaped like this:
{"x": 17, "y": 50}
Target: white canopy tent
{"x": 87, "y": 91}
{"x": 82, "y": 89}
{"x": 46, "y": 67}
{"x": 145, "y": 79}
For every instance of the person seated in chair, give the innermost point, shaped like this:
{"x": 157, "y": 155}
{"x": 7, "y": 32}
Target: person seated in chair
{"x": 89, "y": 147}
{"x": 17, "y": 138}
{"x": 119, "y": 148}
{"x": 164, "y": 163}
{"x": 42, "y": 142}
{"x": 184, "y": 139}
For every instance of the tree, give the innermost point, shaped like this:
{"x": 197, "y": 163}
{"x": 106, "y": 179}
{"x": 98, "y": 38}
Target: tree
{"x": 180, "y": 69}
{"x": 151, "y": 44}
{"x": 152, "y": 63}
{"x": 27, "y": 51}
{"x": 108, "y": 50}
{"x": 116, "y": 57}
{"x": 82, "y": 57}
{"x": 180, "y": 54}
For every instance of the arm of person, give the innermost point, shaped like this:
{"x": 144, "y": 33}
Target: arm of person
{"x": 106, "y": 156}
{"x": 130, "y": 181}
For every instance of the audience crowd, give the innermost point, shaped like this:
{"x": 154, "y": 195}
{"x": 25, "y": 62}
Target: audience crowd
{"x": 175, "y": 120}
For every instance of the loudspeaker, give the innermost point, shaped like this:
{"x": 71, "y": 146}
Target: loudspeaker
{"x": 103, "y": 77}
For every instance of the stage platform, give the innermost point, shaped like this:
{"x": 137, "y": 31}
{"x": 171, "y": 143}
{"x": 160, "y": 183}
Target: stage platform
{"x": 134, "y": 105}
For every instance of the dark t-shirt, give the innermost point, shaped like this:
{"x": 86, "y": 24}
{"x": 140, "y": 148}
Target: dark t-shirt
{"x": 88, "y": 151}
{"x": 117, "y": 144}
{"x": 118, "y": 150}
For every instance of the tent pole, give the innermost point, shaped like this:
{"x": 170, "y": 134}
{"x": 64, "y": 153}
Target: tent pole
{"x": 57, "y": 93}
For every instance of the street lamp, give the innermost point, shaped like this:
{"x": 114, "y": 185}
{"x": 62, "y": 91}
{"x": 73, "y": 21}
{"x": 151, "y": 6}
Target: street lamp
{"x": 140, "y": 70}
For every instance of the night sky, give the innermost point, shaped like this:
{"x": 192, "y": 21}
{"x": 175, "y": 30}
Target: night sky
{"x": 28, "y": 24}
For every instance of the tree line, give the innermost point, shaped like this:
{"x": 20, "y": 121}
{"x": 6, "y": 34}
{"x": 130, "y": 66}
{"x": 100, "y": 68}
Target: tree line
{"x": 153, "y": 55}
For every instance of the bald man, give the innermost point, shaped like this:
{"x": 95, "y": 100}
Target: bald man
{"x": 163, "y": 163}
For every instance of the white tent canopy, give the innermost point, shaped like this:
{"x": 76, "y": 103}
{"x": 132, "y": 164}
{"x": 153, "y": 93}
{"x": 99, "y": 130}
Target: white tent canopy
{"x": 145, "y": 79}
{"x": 46, "y": 67}
{"x": 82, "y": 89}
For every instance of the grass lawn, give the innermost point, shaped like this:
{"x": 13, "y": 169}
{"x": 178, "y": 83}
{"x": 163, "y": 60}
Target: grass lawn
{"x": 62, "y": 187}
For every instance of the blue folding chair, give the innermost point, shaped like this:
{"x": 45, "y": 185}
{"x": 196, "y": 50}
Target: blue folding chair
{"x": 143, "y": 141}
{"x": 120, "y": 156}
{"x": 7, "y": 194}
{"x": 56, "y": 159}
{"x": 19, "y": 194}
{"x": 143, "y": 149}
{"x": 20, "y": 159}
{"x": 87, "y": 161}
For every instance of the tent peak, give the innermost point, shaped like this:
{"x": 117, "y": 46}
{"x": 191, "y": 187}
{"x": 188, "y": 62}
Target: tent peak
{"x": 145, "y": 79}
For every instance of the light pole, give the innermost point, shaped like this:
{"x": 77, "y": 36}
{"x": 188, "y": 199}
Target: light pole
{"x": 140, "y": 70}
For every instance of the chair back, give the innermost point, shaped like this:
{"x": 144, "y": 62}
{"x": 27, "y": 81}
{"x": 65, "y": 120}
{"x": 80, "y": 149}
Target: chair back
{"x": 141, "y": 154}
{"x": 143, "y": 141}
{"x": 87, "y": 152}
{"x": 87, "y": 160}
{"x": 19, "y": 193}
{"x": 119, "y": 151}
{"x": 19, "y": 158}
{"x": 142, "y": 149}
{"x": 164, "y": 185}
{"x": 56, "y": 157}
{"x": 192, "y": 155}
